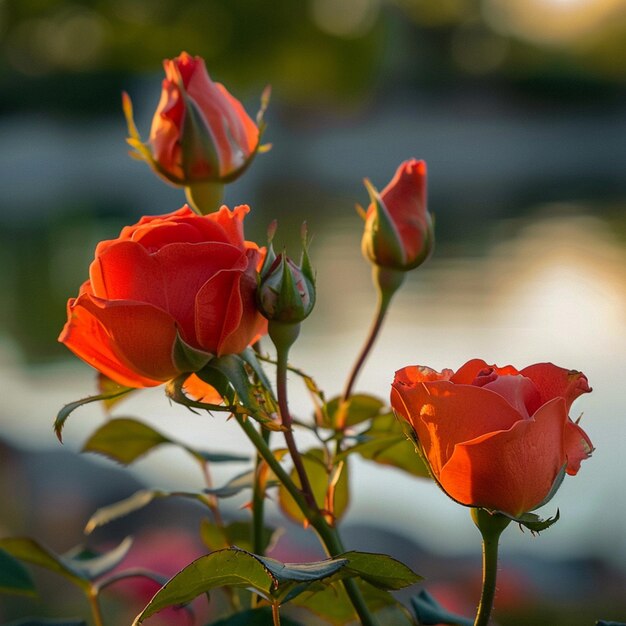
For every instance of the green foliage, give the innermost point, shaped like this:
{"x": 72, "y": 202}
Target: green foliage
{"x": 237, "y": 534}
{"x": 14, "y": 578}
{"x": 332, "y": 604}
{"x": 137, "y": 501}
{"x": 254, "y": 617}
{"x": 357, "y": 409}
{"x": 313, "y": 583}
{"x": 65, "y": 412}
{"x": 386, "y": 442}
{"x": 429, "y": 612}
{"x": 230, "y": 567}
{"x": 125, "y": 440}
{"x": 319, "y": 476}
{"x": 380, "y": 570}
{"x": 78, "y": 566}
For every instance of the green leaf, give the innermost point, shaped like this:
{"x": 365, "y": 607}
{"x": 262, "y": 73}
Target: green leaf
{"x": 386, "y": 442}
{"x": 234, "y": 534}
{"x": 359, "y": 408}
{"x": 533, "y": 522}
{"x": 124, "y": 440}
{"x": 234, "y": 486}
{"x": 93, "y": 565}
{"x": 14, "y": 577}
{"x": 65, "y": 412}
{"x": 113, "y": 390}
{"x": 319, "y": 478}
{"x": 303, "y": 572}
{"x": 31, "y": 551}
{"x": 228, "y": 374}
{"x": 255, "y": 617}
{"x": 380, "y": 570}
{"x": 217, "y": 457}
{"x": 429, "y": 612}
{"x": 42, "y": 621}
{"x": 137, "y": 501}
{"x": 250, "y": 357}
{"x": 332, "y": 604}
{"x": 230, "y": 567}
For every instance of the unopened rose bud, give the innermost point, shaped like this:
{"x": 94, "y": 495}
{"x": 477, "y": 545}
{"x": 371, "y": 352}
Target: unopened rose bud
{"x": 200, "y": 136}
{"x": 286, "y": 291}
{"x": 398, "y": 227}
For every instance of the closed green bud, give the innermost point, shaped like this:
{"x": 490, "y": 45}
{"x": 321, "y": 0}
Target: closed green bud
{"x": 286, "y": 291}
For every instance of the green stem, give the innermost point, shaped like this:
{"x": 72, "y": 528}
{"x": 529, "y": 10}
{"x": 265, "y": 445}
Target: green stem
{"x": 92, "y": 596}
{"x": 387, "y": 283}
{"x": 205, "y": 198}
{"x": 258, "y": 502}
{"x": 259, "y": 443}
{"x": 275, "y": 614}
{"x": 490, "y": 526}
{"x": 329, "y": 536}
{"x": 282, "y": 353}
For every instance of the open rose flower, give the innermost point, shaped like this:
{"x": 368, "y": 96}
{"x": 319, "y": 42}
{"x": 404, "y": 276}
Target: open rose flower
{"x": 495, "y": 437}
{"x": 398, "y": 227}
{"x": 166, "y": 296}
{"x": 200, "y": 133}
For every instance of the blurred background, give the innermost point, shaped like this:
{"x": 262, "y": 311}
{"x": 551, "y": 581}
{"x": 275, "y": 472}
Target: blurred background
{"x": 519, "y": 108}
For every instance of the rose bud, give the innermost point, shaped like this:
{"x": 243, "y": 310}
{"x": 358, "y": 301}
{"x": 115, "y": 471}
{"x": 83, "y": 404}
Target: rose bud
{"x": 398, "y": 228}
{"x": 200, "y": 133}
{"x": 495, "y": 438}
{"x": 286, "y": 291}
{"x": 170, "y": 293}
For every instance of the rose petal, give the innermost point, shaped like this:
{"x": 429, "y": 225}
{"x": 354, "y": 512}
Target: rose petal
{"x": 236, "y": 135}
{"x": 513, "y": 470}
{"x": 554, "y": 382}
{"x": 141, "y": 335}
{"x": 443, "y": 415}
{"x": 405, "y": 199}
{"x": 467, "y": 374}
{"x": 578, "y": 446}
{"x": 520, "y": 392}
{"x": 420, "y": 374}
{"x": 127, "y": 271}
{"x": 225, "y": 308}
{"x": 201, "y": 391}
{"x": 85, "y": 336}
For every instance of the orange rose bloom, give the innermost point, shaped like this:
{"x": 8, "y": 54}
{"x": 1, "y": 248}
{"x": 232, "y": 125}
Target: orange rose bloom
{"x": 166, "y": 296}
{"x": 495, "y": 438}
{"x": 200, "y": 133}
{"x": 398, "y": 227}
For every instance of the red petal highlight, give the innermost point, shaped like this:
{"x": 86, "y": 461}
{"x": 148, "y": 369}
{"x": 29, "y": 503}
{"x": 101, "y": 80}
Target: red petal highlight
{"x": 510, "y": 471}
{"x": 141, "y": 335}
{"x": 444, "y": 414}
{"x": 554, "y": 382}
{"x": 88, "y": 339}
{"x": 578, "y": 446}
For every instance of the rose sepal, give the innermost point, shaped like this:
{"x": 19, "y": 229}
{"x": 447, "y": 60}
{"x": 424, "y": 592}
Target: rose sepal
{"x": 533, "y": 522}
{"x": 141, "y": 150}
{"x": 382, "y": 229}
{"x": 228, "y": 375}
{"x": 186, "y": 358}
